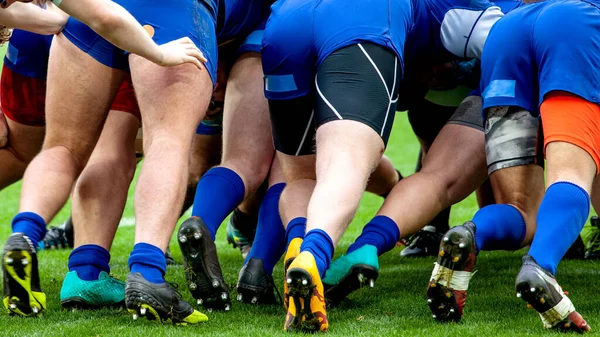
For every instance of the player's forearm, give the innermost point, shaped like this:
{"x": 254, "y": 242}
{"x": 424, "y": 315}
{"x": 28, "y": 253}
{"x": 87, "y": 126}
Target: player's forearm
{"x": 116, "y": 25}
{"x": 30, "y": 17}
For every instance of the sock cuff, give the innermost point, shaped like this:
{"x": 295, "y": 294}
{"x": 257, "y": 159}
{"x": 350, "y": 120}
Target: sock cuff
{"x": 89, "y": 255}
{"x": 90, "y": 249}
{"x": 30, "y": 216}
{"x": 297, "y": 222}
{"x": 569, "y": 191}
{"x": 323, "y": 236}
{"x": 230, "y": 175}
{"x": 295, "y": 228}
{"x": 386, "y": 223}
{"x": 274, "y": 190}
{"x": 149, "y": 255}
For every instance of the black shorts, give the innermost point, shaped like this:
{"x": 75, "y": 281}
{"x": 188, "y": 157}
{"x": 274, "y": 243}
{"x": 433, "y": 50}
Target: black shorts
{"x": 359, "y": 82}
{"x": 427, "y": 119}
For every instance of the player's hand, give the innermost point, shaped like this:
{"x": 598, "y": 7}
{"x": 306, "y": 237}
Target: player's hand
{"x": 181, "y": 51}
{"x": 3, "y": 131}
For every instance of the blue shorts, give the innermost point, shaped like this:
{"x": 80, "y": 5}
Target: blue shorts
{"x": 253, "y": 42}
{"x": 240, "y": 18}
{"x": 27, "y": 54}
{"x": 300, "y": 34}
{"x": 171, "y": 20}
{"x": 556, "y": 47}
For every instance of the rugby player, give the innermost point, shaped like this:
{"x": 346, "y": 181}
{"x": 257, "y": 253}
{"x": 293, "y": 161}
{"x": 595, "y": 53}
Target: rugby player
{"x": 84, "y": 75}
{"x": 549, "y": 78}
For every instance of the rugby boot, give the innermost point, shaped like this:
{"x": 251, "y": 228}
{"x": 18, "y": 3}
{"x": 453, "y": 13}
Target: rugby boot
{"x": 201, "y": 264}
{"x": 255, "y": 286}
{"x": 447, "y": 288}
{"x": 592, "y": 245}
{"x": 20, "y": 276}
{"x": 239, "y": 237}
{"x": 293, "y": 250}
{"x": 160, "y": 302}
{"x": 423, "y": 243}
{"x": 351, "y": 272}
{"x": 58, "y": 237}
{"x": 106, "y": 291}
{"x": 539, "y": 289}
{"x": 306, "y": 310}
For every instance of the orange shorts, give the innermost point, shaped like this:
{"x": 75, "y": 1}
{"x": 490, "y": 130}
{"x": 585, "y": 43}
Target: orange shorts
{"x": 571, "y": 119}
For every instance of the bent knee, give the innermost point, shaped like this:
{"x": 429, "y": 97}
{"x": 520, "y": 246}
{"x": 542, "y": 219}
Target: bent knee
{"x": 253, "y": 170}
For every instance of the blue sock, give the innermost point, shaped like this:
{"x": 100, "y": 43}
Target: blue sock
{"x": 560, "y": 219}
{"x": 30, "y": 224}
{"x": 381, "y": 232}
{"x": 218, "y": 193}
{"x": 88, "y": 261}
{"x": 269, "y": 242}
{"x": 149, "y": 261}
{"x": 320, "y": 245}
{"x": 295, "y": 229}
{"x": 499, "y": 227}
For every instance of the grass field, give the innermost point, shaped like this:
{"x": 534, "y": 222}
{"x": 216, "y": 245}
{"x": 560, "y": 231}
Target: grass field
{"x": 396, "y": 307}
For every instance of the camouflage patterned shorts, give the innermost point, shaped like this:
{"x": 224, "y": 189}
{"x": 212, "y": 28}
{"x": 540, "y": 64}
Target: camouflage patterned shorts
{"x": 512, "y": 138}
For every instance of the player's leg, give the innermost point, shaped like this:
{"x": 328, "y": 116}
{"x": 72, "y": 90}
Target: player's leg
{"x": 97, "y": 208}
{"x": 247, "y": 154}
{"x": 570, "y": 117}
{"x": 572, "y": 157}
{"x": 77, "y": 83}
{"x": 427, "y": 119}
{"x": 172, "y": 102}
{"x": 206, "y": 153}
{"x": 342, "y": 159}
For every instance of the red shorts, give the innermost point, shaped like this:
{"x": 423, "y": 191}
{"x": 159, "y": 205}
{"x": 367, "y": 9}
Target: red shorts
{"x": 23, "y": 98}
{"x": 125, "y": 100}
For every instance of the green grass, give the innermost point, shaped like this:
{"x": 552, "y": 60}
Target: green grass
{"x": 395, "y": 307}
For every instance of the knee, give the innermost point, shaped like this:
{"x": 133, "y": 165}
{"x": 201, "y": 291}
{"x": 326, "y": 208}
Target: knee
{"x": 447, "y": 183}
{"x": 252, "y": 170}
{"x": 521, "y": 201}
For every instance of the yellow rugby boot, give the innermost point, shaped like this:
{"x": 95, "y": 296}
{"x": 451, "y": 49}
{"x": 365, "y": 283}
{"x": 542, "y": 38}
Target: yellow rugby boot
{"x": 22, "y": 292}
{"x": 306, "y": 311}
{"x": 291, "y": 253}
